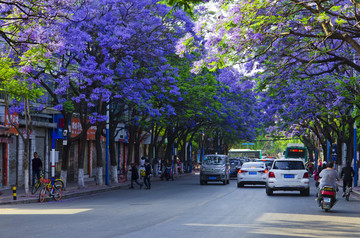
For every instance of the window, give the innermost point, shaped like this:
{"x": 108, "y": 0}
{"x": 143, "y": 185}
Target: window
{"x": 289, "y": 165}
{"x": 253, "y": 165}
{"x": 214, "y": 160}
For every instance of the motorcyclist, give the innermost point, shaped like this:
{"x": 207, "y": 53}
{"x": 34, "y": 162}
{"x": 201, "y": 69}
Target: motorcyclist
{"x": 166, "y": 165}
{"x": 328, "y": 176}
{"x": 347, "y": 173}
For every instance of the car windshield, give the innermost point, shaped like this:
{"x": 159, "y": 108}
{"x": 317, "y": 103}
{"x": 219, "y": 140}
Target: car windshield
{"x": 253, "y": 165}
{"x": 214, "y": 160}
{"x": 289, "y": 165}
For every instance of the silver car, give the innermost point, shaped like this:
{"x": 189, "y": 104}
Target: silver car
{"x": 215, "y": 168}
{"x": 252, "y": 173}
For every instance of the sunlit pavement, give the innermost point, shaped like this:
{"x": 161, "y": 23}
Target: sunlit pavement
{"x": 298, "y": 225}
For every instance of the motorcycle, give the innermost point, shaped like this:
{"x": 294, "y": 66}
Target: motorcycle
{"x": 327, "y": 198}
{"x": 167, "y": 174}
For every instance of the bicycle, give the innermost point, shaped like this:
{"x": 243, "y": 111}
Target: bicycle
{"x": 53, "y": 190}
{"x": 347, "y": 192}
{"x": 37, "y": 185}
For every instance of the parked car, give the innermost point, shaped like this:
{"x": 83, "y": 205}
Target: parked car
{"x": 215, "y": 168}
{"x": 288, "y": 175}
{"x": 252, "y": 173}
{"x": 235, "y": 165}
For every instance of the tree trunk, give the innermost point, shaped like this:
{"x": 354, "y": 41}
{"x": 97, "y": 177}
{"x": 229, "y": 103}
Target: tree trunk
{"x": 26, "y": 167}
{"x": 63, "y": 176}
{"x": 81, "y": 182}
{"x": 26, "y": 181}
{"x": 114, "y": 174}
{"x": 130, "y": 145}
{"x": 66, "y": 149}
{"x": 99, "y": 176}
{"x": 99, "y": 158}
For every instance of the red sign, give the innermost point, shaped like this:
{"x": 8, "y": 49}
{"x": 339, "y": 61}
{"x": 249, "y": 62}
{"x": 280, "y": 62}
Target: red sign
{"x": 76, "y": 129}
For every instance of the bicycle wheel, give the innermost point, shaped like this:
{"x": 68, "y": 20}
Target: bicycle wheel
{"x": 59, "y": 182}
{"x": 347, "y": 193}
{"x": 35, "y": 187}
{"x": 57, "y": 195}
{"x": 42, "y": 194}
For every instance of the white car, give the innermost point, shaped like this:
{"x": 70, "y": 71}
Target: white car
{"x": 288, "y": 175}
{"x": 252, "y": 173}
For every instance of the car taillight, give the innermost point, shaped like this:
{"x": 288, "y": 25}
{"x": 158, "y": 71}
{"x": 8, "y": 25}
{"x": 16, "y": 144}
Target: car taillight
{"x": 324, "y": 192}
{"x": 306, "y": 175}
{"x": 241, "y": 171}
{"x": 264, "y": 171}
{"x": 271, "y": 175}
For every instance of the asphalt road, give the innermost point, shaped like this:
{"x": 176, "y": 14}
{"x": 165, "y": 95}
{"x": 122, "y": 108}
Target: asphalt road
{"x": 183, "y": 208}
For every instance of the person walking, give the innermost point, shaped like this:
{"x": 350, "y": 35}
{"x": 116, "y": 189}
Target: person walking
{"x": 147, "y": 174}
{"x": 36, "y": 168}
{"x": 347, "y": 174}
{"x": 134, "y": 176}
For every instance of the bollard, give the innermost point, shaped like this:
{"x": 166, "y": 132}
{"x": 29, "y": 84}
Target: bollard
{"x": 14, "y": 192}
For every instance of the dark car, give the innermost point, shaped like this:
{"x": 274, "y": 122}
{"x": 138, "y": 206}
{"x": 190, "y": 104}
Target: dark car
{"x": 235, "y": 165}
{"x": 268, "y": 161}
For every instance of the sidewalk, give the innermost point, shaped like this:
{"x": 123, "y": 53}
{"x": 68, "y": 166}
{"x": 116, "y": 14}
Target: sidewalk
{"x": 71, "y": 191}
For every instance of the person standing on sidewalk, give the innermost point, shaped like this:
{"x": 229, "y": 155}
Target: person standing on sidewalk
{"x": 134, "y": 176}
{"x": 147, "y": 174}
{"x": 347, "y": 174}
{"x": 36, "y": 168}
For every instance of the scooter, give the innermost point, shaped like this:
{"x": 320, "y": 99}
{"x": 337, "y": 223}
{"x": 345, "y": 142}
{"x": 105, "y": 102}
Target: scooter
{"x": 327, "y": 198}
{"x": 167, "y": 174}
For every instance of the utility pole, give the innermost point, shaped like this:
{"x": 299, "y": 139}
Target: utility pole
{"x": 355, "y": 156}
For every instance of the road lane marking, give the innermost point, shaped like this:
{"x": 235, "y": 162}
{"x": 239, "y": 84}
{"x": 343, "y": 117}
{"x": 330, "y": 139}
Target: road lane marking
{"x": 219, "y": 225}
{"x": 16, "y": 211}
{"x": 168, "y": 220}
{"x": 220, "y": 195}
{"x": 203, "y": 203}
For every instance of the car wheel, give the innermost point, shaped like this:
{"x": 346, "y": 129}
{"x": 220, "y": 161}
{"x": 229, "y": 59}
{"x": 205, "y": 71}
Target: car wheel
{"x": 269, "y": 191}
{"x": 224, "y": 182}
{"x": 202, "y": 182}
{"x": 228, "y": 181}
{"x": 305, "y": 192}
